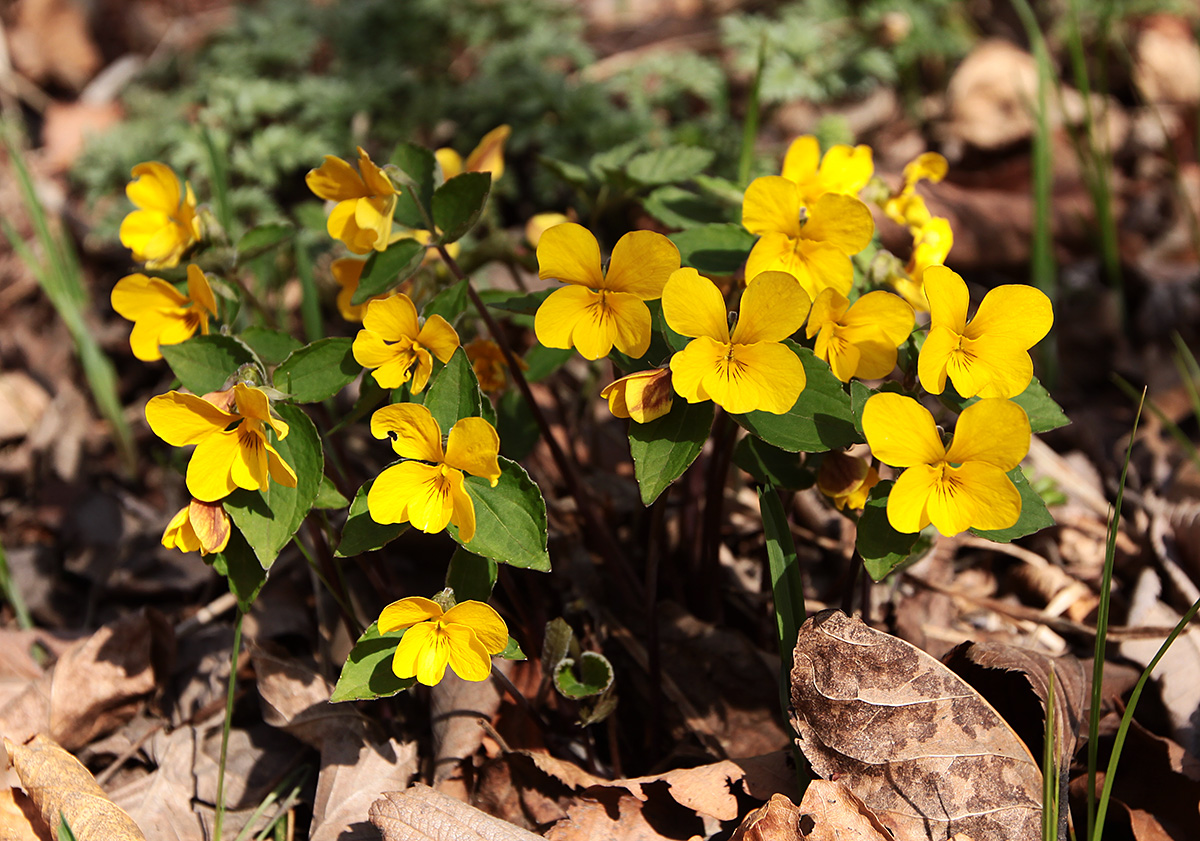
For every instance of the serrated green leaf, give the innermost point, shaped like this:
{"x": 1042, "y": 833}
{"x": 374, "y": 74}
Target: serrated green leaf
{"x": 716, "y": 249}
{"x": 770, "y": 465}
{"x": 458, "y": 203}
{"x": 1034, "y": 514}
{"x": 241, "y": 569}
{"x": 883, "y": 549}
{"x": 419, "y": 164}
{"x": 317, "y": 371}
{"x": 664, "y": 448}
{"x": 566, "y": 171}
{"x": 450, "y": 303}
{"x": 471, "y": 576}
{"x": 368, "y": 674}
{"x": 386, "y": 269}
{"x": 679, "y": 208}
{"x": 595, "y": 676}
{"x": 258, "y": 241}
{"x": 722, "y": 189}
{"x": 272, "y": 346}
{"x": 603, "y": 164}
{"x": 329, "y": 497}
{"x": 361, "y": 533}
{"x": 821, "y": 419}
{"x": 454, "y": 393}
{"x": 205, "y": 363}
{"x": 669, "y": 166}
{"x": 269, "y": 519}
{"x": 510, "y": 519}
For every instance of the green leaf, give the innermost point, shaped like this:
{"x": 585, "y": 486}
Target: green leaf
{"x": 595, "y": 675}
{"x": 787, "y": 585}
{"x": 572, "y": 174}
{"x": 318, "y": 371}
{"x": 329, "y": 497}
{"x": 515, "y": 424}
{"x": 205, "y": 363}
{"x": 664, "y": 448}
{"x": 1034, "y": 515}
{"x": 717, "y": 249}
{"x": 458, "y": 203}
{"x": 363, "y": 534}
{"x": 419, "y": 164}
{"x": 721, "y": 189}
{"x": 272, "y": 346}
{"x": 611, "y": 160}
{"x": 681, "y": 208}
{"x": 269, "y": 519}
{"x": 556, "y": 643}
{"x": 883, "y": 549}
{"x": 512, "y": 651}
{"x": 544, "y": 361}
{"x": 510, "y": 519}
{"x": 450, "y": 303}
{"x": 523, "y": 304}
{"x": 241, "y": 569}
{"x": 771, "y": 465}
{"x": 1044, "y": 414}
{"x": 258, "y": 241}
{"x": 670, "y": 165}
{"x": 471, "y": 576}
{"x": 454, "y": 393}
{"x": 368, "y": 673}
{"x": 385, "y": 269}
{"x": 821, "y": 419}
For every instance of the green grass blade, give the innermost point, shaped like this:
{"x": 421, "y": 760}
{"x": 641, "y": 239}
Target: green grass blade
{"x": 218, "y": 171}
{"x": 310, "y": 302}
{"x": 1049, "y": 771}
{"x": 12, "y": 594}
{"x": 750, "y": 124}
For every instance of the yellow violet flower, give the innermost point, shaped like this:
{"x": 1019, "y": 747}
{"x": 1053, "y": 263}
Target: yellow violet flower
{"x": 232, "y": 450}
{"x": 859, "y": 340}
{"x": 931, "y": 245}
{"x": 489, "y": 364}
{"x": 165, "y": 225}
{"x": 465, "y": 637}
{"x": 987, "y": 356}
{"x": 841, "y": 170}
{"x": 956, "y": 489}
{"x": 366, "y": 200}
{"x": 347, "y": 272}
{"x": 398, "y": 346}
{"x": 906, "y": 207}
{"x": 432, "y": 494}
{"x": 749, "y": 369}
{"x": 161, "y": 314}
{"x": 600, "y": 309}
{"x": 643, "y": 396}
{"x": 846, "y": 479}
{"x": 198, "y": 527}
{"x": 812, "y": 242}
{"x": 539, "y": 223}
{"x": 488, "y": 156}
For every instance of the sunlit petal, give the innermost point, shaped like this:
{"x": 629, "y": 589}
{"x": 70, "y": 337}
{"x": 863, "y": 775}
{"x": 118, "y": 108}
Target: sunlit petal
{"x": 432, "y": 660}
{"x": 279, "y": 469}
{"x": 900, "y": 431}
{"x": 908, "y": 501}
{"x": 691, "y": 365}
{"x": 556, "y": 318}
{"x": 1014, "y": 314}
{"x": 336, "y": 180}
{"x": 473, "y": 446}
{"x": 137, "y": 295}
{"x": 772, "y": 205}
{"x": 437, "y": 335}
{"x": 992, "y": 431}
{"x": 802, "y": 159}
{"x": 841, "y": 221}
{"x": 773, "y": 307}
{"x": 828, "y": 307}
{"x": 393, "y": 318}
{"x": 940, "y": 346}
{"x": 569, "y": 253}
{"x": 154, "y": 187}
{"x": 462, "y": 507}
{"x": 406, "y": 612}
{"x": 948, "y": 298}
{"x": 209, "y": 472}
{"x": 468, "y": 657}
{"x": 766, "y": 377}
{"x": 693, "y": 306}
{"x": 414, "y": 432}
{"x": 481, "y": 618}
{"x": 200, "y": 291}
{"x": 488, "y": 156}
{"x": 411, "y": 647}
{"x": 181, "y": 419}
{"x": 396, "y": 487}
{"x": 888, "y": 313}
{"x": 846, "y": 169}
{"x": 641, "y": 263}
{"x": 976, "y": 495}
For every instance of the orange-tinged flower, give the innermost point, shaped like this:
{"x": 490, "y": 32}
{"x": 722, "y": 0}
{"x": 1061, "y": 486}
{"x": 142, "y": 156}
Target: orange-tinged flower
{"x": 232, "y": 450}
{"x": 347, "y": 272}
{"x": 987, "y": 356}
{"x": 398, "y": 346}
{"x": 489, "y": 364}
{"x": 963, "y": 487}
{"x": 601, "y": 309}
{"x": 198, "y": 527}
{"x": 488, "y": 156}
{"x": 643, "y": 396}
{"x": 161, "y": 314}
{"x": 859, "y": 339}
{"x": 846, "y": 479}
{"x": 843, "y": 169}
{"x": 366, "y": 200}
{"x": 429, "y": 489}
{"x": 749, "y": 369}
{"x": 465, "y": 637}
{"x": 165, "y": 225}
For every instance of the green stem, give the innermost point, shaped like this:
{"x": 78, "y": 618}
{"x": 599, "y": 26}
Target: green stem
{"x": 24, "y": 620}
{"x": 233, "y": 664}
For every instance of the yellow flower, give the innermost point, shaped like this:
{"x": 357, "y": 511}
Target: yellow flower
{"x": 906, "y": 207}
{"x": 165, "y": 225}
{"x": 431, "y": 495}
{"x": 859, "y": 340}
{"x": 989, "y": 355}
{"x": 601, "y": 309}
{"x": 539, "y": 223}
{"x": 362, "y": 217}
{"x": 751, "y": 369}
{"x": 160, "y": 313}
{"x": 812, "y": 242}
{"x": 199, "y": 526}
{"x": 643, "y": 396}
{"x": 225, "y": 458}
{"x": 347, "y": 272}
{"x": 841, "y": 170}
{"x": 846, "y": 479}
{"x": 432, "y": 255}
{"x": 465, "y": 636}
{"x": 956, "y": 489}
{"x": 488, "y": 156}
{"x": 397, "y": 345}
{"x": 489, "y": 364}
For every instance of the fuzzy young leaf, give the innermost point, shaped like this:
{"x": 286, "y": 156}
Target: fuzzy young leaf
{"x": 318, "y": 371}
{"x": 272, "y": 346}
{"x": 361, "y": 533}
{"x": 269, "y": 519}
{"x": 510, "y": 519}
{"x": 418, "y": 164}
{"x": 664, "y": 448}
{"x": 205, "y": 363}
{"x": 556, "y": 643}
{"x": 458, "y": 203}
{"x": 718, "y": 249}
{"x": 471, "y": 576}
{"x": 368, "y": 673}
{"x": 1034, "y": 515}
{"x": 387, "y": 269}
{"x": 670, "y": 165}
{"x": 241, "y": 569}
{"x": 771, "y": 465}
{"x": 450, "y": 303}
{"x": 595, "y": 676}
{"x": 454, "y": 393}
{"x": 572, "y": 174}
{"x": 884, "y": 549}
{"x": 606, "y": 163}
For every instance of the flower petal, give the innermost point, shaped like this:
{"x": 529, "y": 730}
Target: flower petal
{"x": 371, "y": 351}
{"x": 908, "y": 501}
{"x": 253, "y": 403}
{"x": 449, "y": 162}
{"x": 373, "y": 176}
{"x": 249, "y": 469}
{"x": 200, "y": 291}
{"x": 691, "y": 365}
{"x": 876, "y": 356}
{"x": 150, "y": 330}
{"x": 846, "y": 169}
{"x": 422, "y": 370}
{"x": 137, "y": 295}
{"x": 410, "y": 648}
{"x": 694, "y": 307}
{"x": 640, "y": 264}
{"x": 341, "y": 226}
{"x": 462, "y": 507}
{"x": 155, "y": 186}
{"x": 643, "y": 395}
{"x": 1015, "y": 314}
{"x": 414, "y": 432}
{"x": 179, "y": 533}
{"x": 279, "y": 469}
{"x": 488, "y": 155}
{"x": 841, "y": 221}
{"x": 468, "y": 657}
{"x": 773, "y": 307}
{"x": 437, "y": 335}
{"x": 929, "y": 166}
{"x": 473, "y": 446}
{"x": 209, "y": 473}
{"x": 336, "y": 180}
{"x": 182, "y": 419}
{"x": 772, "y": 205}
{"x": 900, "y": 431}
{"x": 802, "y": 159}
{"x": 395, "y": 489}
{"x": 941, "y": 345}
{"x": 992, "y": 431}
{"x": 431, "y": 662}
{"x": 569, "y": 253}
{"x": 828, "y": 307}
{"x": 998, "y": 369}
{"x": 889, "y": 313}
{"x": 765, "y": 376}
{"x": 976, "y": 495}
{"x": 406, "y": 612}
{"x": 948, "y": 298}
{"x": 483, "y": 619}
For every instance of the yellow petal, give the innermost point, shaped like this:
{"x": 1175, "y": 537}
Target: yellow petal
{"x": 481, "y": 618}
{"x": 1014, "y": 314}
{"x": 406, "y": 612}
{"x": 411, "y": 649}
{"x": 346, "y": 272}
{"x": 210, "y": 524}
{"x": 641, "y": 263}
{"x": 844, "y": 357}
{"x": 373, "y": 216}
{"x": 468, "y": 658}
{"x": 398, "y": 489}
{"x": 154, "y": 187}
{"x": 992, "y": 431}
{"x": 908, "y": 501}
{"x": 473, "y": 446}
{"x": 889, "y": 313}
{"x": 155, "y": 328}
{"x": 976, "y": 495}
{"x": 437, "y": 335}
{"x": 593, "y": 322}
{"x": 569, "y": 253}
{"x": 279, "y": 469}
{"x": 462, "y": 508}
{"x": 841, "y": 221}
{"x": 209, "y": 473}
{"x": 998, "y": 370}
{"x": 900, "y": 431}
{"x": 431, "y": 662}
{"x": 200, "y": 291}
{"x": 845, "y": 169}
{"x": 336, "y": 180}
{"x": 828, "y": 307}
{"x": 342, "y": 226}
{"x": 817, "y": 265}
{"x": 802, "y": 159}
{"x": 422, "y": 370}
{"x": 412, "y": 429}
{"x": 488, "y": 156}
{"x": 253, "y": 403}
{"x": 249, "y": 469}
{"x": 449, "y": 161}
{"x": 691, "y": 365}
{"x": 179, "y": 533}
{"x": 693, "y": 306}
{"x": 375, "y": 179}
{"x": 182, "y": 419}
{"x": 539, "y": 223}
{"x": 764, "y": 377}
{"x": 371, "y": 351}
{"x": 394, "y": 318}
{"x": 773, "y": 307}
{"x": 948, "y": 299}
{"x": 771, "y": 205}
{"x": 929, "y": 166}
{"x": 876, "y": 356}
{"x": 940, "y": 346}
{"x": 136, "y": 295}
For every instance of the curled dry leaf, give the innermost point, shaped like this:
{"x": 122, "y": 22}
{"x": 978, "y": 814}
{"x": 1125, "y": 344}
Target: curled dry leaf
{"x": 296, "y": 699}
{"x": 354, "y": 774}
{"x": 618, "y": 816}
{"x": 921, "y": 748}
{"x": 58, "y": 784}
{"x": 829, "y": 812}
{"x": 19, "y": 818}
{"x": 422, "y": 814}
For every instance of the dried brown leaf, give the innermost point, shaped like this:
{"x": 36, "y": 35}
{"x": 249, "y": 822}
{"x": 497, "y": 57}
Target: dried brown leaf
{"x": 296, "y": 699}
{"x": 456, "y": 708}
{"x": 354, "y": 774}
{"x": 422, "y": 814}
{"x": 58, "y": 784}
{"x": 19, "y": 818}
{"x": 912, "y": 739}
{"x": 617, "y": 816}
{"x": 162, "y": 802}
{"x": 839, "y": 815}
{"x": 776, "y": 820}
